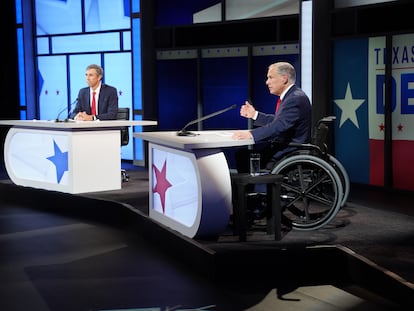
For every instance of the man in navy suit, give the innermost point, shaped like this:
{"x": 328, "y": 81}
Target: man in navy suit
{"x": 291, "y": 121}
{"x": 106, "y": 98}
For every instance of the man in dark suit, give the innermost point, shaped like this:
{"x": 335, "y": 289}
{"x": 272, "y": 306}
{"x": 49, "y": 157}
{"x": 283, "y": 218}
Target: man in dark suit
{"x": 291, "y": 121}
{"x": 98, "y": 101}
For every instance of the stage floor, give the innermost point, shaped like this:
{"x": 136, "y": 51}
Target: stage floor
{"x": 374, "y": 224}
{"x": 100, "y": 251}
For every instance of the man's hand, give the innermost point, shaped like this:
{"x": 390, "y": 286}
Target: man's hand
{"x": 239, "y": 135}
{"x": 247, "y": 110}
{"x": 83, "y": 116}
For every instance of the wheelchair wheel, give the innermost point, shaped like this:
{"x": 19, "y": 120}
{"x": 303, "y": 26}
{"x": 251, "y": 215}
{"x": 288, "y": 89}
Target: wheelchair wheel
{"x": 340, "y": 169}
{"x": 311, "y": 191}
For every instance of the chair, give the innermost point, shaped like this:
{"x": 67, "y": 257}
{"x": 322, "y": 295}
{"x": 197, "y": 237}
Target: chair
{"x": 123, "y": 114}
{"x": 313, "y": 187}
{"x": 315, "y": 184}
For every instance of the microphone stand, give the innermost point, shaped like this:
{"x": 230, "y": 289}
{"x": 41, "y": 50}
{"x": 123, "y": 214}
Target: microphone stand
{"x": 70, "y": 109}
{"x": 183, "y": 131}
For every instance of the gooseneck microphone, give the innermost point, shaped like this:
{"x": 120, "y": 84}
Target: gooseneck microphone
{"x": 66, "y": 108}
{"x": 183, "y": 131}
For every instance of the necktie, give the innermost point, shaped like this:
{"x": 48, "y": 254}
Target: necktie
{"x": 278, "y": 104}
{"x": 93, "y": 109}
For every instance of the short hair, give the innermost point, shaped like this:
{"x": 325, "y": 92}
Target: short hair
{"x": 285, "y": 68}
{"x": 98, "y": 69}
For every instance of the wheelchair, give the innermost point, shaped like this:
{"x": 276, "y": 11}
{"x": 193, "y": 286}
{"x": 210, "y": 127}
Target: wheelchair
{"x": 315, "y": 184}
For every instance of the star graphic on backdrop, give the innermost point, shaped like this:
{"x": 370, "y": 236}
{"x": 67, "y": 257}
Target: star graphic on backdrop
{"x": 162, "y": 183}
{"x": 400, "y": 127}
{"x": 60, "y": 160}
{"x": 348, "y": 105}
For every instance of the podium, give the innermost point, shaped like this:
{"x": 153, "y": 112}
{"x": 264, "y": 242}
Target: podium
{"x": 189, "y": 181}
{"x": 72, "y": 157}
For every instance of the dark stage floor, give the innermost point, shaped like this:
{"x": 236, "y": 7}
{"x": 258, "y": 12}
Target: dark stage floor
{"x": 100, "y": 251}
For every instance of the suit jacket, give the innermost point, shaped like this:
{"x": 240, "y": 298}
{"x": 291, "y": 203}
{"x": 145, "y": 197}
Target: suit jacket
{"x": 291, "y": 123}
{"x": 107, "y": 102}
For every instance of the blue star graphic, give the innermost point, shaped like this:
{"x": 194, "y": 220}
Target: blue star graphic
{"x": 60, "y": 160}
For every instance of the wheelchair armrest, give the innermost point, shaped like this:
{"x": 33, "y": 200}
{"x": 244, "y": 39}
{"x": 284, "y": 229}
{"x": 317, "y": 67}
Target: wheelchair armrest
{"x": 310, "y": 147}
{"x": 327, "y": 119}
{"x": 305, "y": 146}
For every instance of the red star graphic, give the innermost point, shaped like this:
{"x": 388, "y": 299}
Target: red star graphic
{"x": 162, "y": 183}
{"x": 381, "y": 127}
{"x": 400, "y": 127}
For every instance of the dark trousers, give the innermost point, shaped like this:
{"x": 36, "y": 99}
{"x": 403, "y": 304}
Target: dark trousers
{"x": 242, "y": 156}
{"x": 270, "y": 154}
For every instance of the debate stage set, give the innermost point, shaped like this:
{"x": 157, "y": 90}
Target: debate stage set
{"x": 131, "y": 248}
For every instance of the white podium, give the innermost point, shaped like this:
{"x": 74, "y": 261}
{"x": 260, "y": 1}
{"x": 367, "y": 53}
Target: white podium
{"x": 72, "y": 157}
{"x": 189, "y": 180}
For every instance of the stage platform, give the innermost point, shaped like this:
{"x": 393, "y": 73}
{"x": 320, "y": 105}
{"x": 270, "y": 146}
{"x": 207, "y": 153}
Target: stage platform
{"x": 101, "y": 251}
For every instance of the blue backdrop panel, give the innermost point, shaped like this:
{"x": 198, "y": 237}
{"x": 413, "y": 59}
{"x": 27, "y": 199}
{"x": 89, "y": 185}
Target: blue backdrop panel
{"x": 350, "y": 68}
{"x": 180, "y": 12}
{"x": 224, "y": 83}
{"x": 177, "y": 93}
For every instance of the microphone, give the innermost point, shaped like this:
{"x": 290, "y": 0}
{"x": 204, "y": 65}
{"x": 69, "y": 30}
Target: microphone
{"x": 70, "y": 109}
{"x": 183, "y": 131}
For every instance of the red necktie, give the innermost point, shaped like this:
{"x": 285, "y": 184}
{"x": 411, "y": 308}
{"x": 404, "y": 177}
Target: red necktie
{"x": 93, "y": 109}
{"x": 278, "y": 104}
